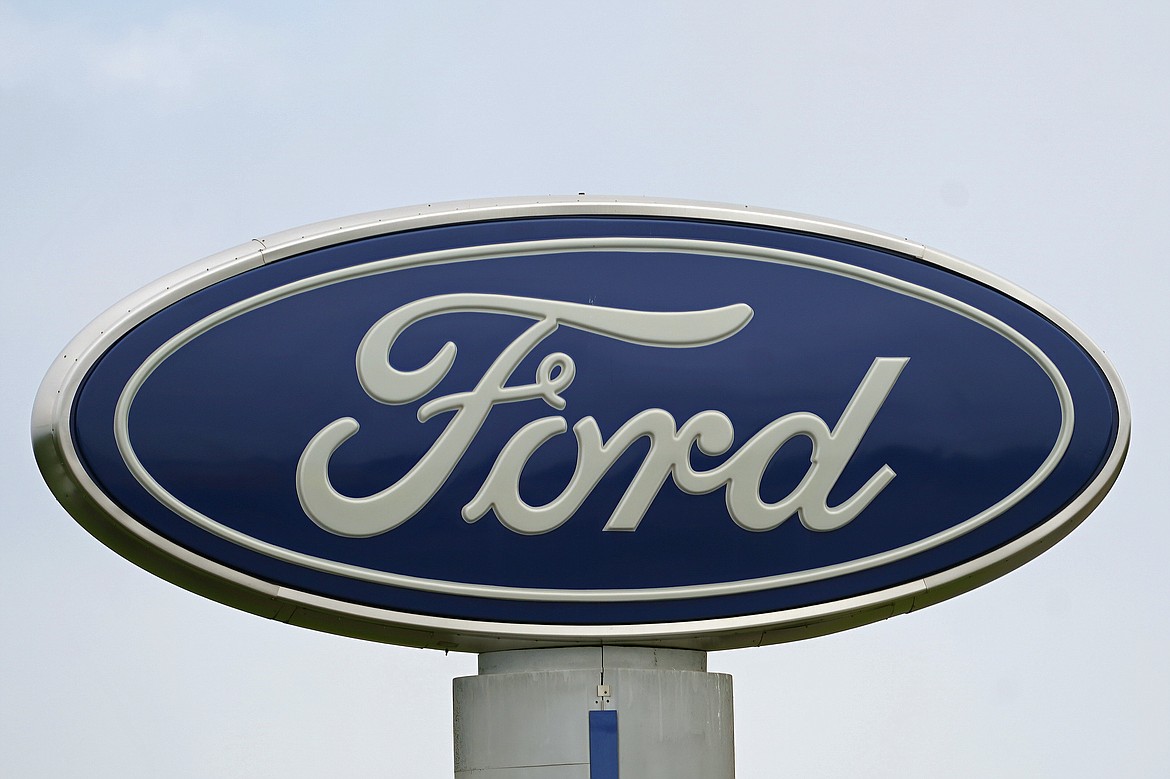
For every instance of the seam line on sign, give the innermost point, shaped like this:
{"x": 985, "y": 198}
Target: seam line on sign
{"x": 533, "y": 765}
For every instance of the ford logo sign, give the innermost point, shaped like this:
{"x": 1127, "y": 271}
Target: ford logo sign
{"x": 573, "y": 421}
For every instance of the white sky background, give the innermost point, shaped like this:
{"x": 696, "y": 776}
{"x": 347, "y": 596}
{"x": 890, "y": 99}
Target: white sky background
{"x": 1030, "y": 141}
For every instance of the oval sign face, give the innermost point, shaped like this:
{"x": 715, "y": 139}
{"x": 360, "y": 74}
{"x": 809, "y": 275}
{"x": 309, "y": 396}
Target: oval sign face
{"x": 574, "y": 421}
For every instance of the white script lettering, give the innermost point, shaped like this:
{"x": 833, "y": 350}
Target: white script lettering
{"x": 711, "y": 432}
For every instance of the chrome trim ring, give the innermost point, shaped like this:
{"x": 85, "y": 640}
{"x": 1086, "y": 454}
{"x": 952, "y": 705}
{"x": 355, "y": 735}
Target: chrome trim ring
{"x": 61, "y": 467}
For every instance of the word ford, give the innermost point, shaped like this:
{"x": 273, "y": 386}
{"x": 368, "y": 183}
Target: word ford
{"x": 711, "y": 432}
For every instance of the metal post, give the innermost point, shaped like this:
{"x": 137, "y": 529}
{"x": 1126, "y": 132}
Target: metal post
{"x": 594, "y": 713}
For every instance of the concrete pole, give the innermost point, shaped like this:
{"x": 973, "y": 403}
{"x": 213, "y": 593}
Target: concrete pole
{"x": 594, "y": 713}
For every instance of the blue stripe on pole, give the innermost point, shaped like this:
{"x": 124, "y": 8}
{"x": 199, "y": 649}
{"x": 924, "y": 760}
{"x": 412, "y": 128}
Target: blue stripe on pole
{"x": 603, "y": 745}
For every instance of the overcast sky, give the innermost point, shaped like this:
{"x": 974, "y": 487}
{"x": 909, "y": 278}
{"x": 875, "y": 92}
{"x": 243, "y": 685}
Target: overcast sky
{"x": 1026, "y": 138}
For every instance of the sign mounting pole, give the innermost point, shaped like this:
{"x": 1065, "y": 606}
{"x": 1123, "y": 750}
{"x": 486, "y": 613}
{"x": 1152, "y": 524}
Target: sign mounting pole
{"x": 608, "y": 712}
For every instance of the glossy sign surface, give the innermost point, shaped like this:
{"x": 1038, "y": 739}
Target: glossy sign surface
{"x": 568, "y": 423}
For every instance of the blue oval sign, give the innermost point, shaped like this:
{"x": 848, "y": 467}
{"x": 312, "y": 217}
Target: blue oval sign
{"x": 581, "y": 421}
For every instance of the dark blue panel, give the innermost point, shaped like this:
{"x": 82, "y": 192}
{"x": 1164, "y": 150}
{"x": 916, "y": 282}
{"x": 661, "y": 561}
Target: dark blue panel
{"x": 223, "y": 422}
{"x": 603, "y": 745}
